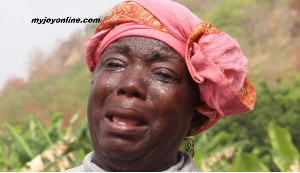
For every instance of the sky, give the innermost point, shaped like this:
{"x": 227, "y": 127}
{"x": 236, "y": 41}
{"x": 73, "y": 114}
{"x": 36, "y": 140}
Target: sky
{"x": 19, "y": 37}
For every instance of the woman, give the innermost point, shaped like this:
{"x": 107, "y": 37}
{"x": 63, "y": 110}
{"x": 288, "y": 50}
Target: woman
{"x": 160, "y": 74}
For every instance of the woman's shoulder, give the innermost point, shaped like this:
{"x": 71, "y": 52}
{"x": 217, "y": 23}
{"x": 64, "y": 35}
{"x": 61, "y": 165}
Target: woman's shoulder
{"x": 76, "y": 169}
{"x": 87, "y": 165}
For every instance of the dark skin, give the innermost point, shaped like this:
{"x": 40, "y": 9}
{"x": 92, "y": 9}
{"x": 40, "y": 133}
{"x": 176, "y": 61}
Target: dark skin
{"x": 141, "y": 105}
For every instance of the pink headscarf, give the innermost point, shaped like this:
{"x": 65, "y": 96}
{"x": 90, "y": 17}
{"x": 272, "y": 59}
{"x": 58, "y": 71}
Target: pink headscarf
{"x": 214, "y": 59}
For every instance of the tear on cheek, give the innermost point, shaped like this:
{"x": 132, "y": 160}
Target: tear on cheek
{"x": 163, "y": 92}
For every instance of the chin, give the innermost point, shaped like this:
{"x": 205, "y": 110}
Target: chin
{"x": 123, "y": 149}
{"x": 120, "y": 142}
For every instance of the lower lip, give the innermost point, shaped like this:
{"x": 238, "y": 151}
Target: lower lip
{"x": 124, "y": 129}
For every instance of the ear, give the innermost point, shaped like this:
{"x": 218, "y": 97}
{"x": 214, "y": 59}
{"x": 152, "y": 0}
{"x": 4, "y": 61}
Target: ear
{"x": 197, "y": 122}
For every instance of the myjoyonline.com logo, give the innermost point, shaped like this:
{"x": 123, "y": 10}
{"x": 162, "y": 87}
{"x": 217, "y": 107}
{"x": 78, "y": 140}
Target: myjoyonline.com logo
{"x": 47, "y": 20}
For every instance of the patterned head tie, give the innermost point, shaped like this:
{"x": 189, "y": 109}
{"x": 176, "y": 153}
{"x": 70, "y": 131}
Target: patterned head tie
{"x": 214, "y": 59}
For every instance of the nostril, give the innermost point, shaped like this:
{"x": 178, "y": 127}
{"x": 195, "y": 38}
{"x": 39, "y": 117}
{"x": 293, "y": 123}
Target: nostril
{"x": 122, "y": 92}
{"x": 130, "y": 94}
{"x": 137, "y": 95}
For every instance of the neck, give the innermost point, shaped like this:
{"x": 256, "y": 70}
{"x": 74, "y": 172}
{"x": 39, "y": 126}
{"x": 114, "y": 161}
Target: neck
{"x": 159, "y": 163}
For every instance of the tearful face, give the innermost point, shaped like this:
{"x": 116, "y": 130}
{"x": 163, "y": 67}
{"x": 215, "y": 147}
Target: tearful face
{"x": 141, "y": 102}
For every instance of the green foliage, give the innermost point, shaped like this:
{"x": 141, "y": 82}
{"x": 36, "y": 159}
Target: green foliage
{"x": 22, "y": 142}
{"x": 285, "y": 154}
{"x": 212, "y": 153}
{"x": 229, "y": 14}
{"x": 244, "y": 162}
{"x": 20, "y": 139}
{"x": 275, "y": 102}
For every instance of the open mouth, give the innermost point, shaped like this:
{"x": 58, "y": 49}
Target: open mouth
{"x": 126, "y": 121}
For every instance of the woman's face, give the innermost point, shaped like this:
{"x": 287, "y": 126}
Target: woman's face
{"x": 141, "y": 104}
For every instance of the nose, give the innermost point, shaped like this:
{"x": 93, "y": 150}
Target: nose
{"x": 133, "y": 85}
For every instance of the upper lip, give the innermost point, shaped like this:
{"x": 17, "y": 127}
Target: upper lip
{"x": 127, "y": 112}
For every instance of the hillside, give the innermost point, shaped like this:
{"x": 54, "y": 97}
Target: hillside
{"x": 57, "y": 82}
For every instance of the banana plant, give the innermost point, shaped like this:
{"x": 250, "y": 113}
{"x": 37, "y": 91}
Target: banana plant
{"x": 213, "y": 153}
{"x": 247, "y": 162}
{"x": 285, "y": 154}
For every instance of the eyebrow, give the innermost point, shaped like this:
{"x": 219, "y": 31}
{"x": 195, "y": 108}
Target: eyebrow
{"x": 163, "y": 53}
{"x": 156, "y": 55}
{"x": 124, "y": 48}
{"x": 160, "y": 56}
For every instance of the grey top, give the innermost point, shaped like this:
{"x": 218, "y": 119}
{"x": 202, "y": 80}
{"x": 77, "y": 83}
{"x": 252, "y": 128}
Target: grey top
{"x": 185, "y": 164}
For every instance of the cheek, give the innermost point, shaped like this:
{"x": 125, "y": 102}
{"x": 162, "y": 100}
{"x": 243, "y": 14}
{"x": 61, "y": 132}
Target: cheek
{"x": 102, "y": 87}
{"x": 173, "y": 117}
{"x": 104, "y": 84}
{"x": 174, "y": 110}
{"x": 174, "y": 98}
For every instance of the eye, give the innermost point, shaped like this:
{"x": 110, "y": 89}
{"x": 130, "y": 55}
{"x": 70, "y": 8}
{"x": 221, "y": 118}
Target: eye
{"x": 114, "y": 64}
{"x": 164, "y": 75}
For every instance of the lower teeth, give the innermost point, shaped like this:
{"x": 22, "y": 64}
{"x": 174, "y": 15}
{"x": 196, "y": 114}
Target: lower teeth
{"x": 122, "y": 123}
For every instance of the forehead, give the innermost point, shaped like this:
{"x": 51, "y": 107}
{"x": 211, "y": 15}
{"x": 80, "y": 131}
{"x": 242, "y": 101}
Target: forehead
{"x": 144, "y": 42}
{"x": 145, "y": 46}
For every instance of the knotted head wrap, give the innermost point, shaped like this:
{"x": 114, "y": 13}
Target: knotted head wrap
{"x": 214, "y": 59}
